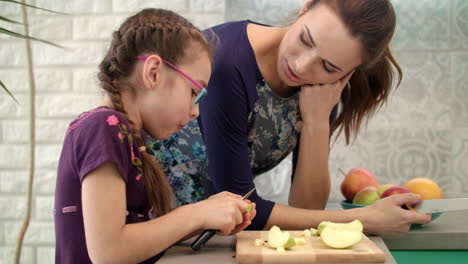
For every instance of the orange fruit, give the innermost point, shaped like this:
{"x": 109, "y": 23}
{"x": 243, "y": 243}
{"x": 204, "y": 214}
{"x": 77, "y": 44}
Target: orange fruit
{"x": 425, "y": 187}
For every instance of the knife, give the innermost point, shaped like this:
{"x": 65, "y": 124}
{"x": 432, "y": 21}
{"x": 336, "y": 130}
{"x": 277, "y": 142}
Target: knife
{"x": 207, "y": 234}
{"x": 441, "y": 205}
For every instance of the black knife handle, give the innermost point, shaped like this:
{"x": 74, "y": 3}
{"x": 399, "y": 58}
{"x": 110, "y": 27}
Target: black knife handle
{"x": 202, "y": 239}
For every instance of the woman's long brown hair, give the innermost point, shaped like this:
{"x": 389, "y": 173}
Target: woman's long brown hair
{"x": 153, "y": 31}
{"x": 373, "y": 23}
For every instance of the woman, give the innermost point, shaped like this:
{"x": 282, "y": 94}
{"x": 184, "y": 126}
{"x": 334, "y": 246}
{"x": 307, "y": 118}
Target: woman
{"x": 277, "y": 90}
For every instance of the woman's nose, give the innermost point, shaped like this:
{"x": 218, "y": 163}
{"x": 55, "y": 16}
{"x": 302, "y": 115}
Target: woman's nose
{"x": 304, "y": 64}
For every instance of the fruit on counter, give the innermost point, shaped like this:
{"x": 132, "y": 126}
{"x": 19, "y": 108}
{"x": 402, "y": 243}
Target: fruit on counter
{"x": 366, "y": 196}
{"x": 340, "y": 237}
{"x": 280, "y": 240}
{"x": 306, "y": 233}
{"x": 355, "y": 225}
{"x": 300, "y": 241}
{"x": 309, "y": 232}
{"x": 425, "y": 187}
{"x": 383, "y": 187}
{"x": 395, "y": 190}
{"x": 249, "y": 208}
{"x": 355, "y": 180}
{"x": 314, "y": 232}
{"x": 258, "y": 242}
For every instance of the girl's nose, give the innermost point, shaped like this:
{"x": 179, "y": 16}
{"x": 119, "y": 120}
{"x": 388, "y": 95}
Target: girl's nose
{"x": 195, "y": 112}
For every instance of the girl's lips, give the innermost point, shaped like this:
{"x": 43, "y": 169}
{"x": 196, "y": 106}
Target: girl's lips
{"x": 290, "y": 74}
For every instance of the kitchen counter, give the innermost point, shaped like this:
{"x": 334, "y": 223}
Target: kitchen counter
{"x": 443, "y": 241}
{"x": 448, "y": 232}
{"x": 221, "y": 250}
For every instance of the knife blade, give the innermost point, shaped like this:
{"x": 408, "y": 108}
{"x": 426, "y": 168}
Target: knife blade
{"x": 207, "y": 234}
{"x": 442, "y": 205}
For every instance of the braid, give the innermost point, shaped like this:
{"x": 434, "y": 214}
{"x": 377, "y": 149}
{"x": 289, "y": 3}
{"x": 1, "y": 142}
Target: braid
{"x": 154, "y": 31}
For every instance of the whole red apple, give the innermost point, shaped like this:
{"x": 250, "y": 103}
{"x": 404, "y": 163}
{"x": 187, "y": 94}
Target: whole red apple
{"x": 395, "y": 190}
{"x": 382, "y": 188}
{"x": 356, "y": 180}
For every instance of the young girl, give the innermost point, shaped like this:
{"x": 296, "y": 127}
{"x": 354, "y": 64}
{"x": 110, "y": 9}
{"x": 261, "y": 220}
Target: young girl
{"x": 153, "y": 76}
{"x": 277, "y": 90}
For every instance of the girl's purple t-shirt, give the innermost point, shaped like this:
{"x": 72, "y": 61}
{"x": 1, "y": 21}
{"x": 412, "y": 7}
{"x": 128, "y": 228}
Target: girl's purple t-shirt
{"x": 92, "y": 139}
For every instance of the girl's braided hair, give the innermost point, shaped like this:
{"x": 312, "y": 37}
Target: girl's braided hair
{"x": 154, "y": 31}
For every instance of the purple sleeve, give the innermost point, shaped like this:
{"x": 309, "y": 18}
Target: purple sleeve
{"x": 224, "y": 123}
{"x": 99, "y": 140}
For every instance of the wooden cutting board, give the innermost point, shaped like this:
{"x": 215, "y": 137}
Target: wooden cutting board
{"x": 314, "y": 251}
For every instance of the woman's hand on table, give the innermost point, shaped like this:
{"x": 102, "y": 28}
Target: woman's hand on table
{"x": 386, "y": 217}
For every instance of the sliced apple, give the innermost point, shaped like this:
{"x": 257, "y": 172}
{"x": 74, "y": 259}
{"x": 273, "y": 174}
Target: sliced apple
{"x": 314, "y": 232}
{"x": 291, "y": 242}
{"x": 278, "y": 239}
{"x": 354, "y": 225}
{"x": 249, "y": 208}
{"x": 338, "y": 237}
{"x": 300, "y": 241}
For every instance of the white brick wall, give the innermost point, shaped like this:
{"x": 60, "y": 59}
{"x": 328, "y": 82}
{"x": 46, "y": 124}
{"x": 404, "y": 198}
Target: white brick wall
{"x": 66, "y": 85}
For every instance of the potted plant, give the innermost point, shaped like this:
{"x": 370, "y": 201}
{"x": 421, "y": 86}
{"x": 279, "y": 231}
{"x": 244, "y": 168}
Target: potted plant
{"x": 32, "y": 89}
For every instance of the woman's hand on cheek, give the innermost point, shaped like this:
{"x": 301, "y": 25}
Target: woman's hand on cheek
{"x": 317, "y": 101}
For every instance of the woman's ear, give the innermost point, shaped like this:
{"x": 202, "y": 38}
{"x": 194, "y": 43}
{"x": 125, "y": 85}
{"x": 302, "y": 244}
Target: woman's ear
{"x": 305, "y": 7}
{"x": 152, "y": 71}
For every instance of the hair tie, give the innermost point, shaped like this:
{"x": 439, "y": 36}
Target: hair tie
{"x": 142, "y": 148}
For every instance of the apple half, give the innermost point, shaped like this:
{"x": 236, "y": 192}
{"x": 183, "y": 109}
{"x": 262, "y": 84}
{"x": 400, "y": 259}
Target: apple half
{"x": 341, "y": 235}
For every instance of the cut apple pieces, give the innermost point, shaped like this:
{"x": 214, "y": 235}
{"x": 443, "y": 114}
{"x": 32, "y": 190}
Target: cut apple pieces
{"x": 340, "y": 238}
{"x": 279, "y": 239}
{"x": 354, "y": 225}
{"x": 300, "y": 241}
{"x": 341, "y": 235}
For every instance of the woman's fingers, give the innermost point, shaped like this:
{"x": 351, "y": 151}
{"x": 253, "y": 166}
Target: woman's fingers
{"x": 405, "y": 198}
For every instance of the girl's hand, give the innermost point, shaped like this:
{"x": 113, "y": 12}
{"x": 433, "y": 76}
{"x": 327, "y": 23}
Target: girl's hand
{"x": 225, "y": 212}
{"x": 317, "y": 101}
{"x": 386, "y": 217}
{"x": 247, "y": 219}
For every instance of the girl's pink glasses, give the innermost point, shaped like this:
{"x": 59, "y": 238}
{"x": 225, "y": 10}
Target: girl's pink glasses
{"x": 203, "y": 90}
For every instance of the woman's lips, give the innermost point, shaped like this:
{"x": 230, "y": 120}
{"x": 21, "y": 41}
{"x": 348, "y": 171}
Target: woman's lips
{"x": 290, "y": 74}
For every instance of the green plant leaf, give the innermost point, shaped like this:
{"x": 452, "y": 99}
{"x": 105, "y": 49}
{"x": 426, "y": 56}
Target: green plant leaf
{"x": 36, "y": 7}
{"x": 8, "y": 92}
{"x": 9, "y": 20}
{"x": 18, "y": 35}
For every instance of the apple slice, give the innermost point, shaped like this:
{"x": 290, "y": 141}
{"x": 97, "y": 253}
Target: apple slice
{"x": 278, "y": 239}
{"x": 338, "y": 237}
{"x": 355, "y": 225}
{"x": 300, "y": 241}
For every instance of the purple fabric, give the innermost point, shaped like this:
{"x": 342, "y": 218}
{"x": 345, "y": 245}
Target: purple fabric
{"x": 94, "y": 138}
{"x": 224, "y": 114}
{"x": 225, "y": 111}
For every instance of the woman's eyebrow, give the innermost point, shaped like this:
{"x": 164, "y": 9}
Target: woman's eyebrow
{"x": 313, "y": 43}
